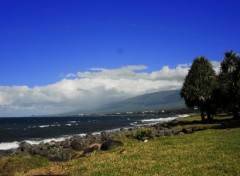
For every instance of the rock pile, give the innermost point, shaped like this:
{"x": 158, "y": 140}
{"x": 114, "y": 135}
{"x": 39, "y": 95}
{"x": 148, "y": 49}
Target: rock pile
{"x": 82, "y": 146}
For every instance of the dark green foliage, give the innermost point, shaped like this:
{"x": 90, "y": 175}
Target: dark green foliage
{"x": 143, "y": 133}
{"x": 199, "y": 86}
{"x": 229, "y": 83}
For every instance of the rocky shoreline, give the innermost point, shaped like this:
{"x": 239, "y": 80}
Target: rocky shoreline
{"x": 82, "y": 146}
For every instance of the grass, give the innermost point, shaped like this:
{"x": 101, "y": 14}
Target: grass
{"x": 210, "y": 152}
{"x": 12, "y": 164}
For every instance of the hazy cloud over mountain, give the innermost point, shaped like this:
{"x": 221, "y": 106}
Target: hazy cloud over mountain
{"x": 87, "y": 90}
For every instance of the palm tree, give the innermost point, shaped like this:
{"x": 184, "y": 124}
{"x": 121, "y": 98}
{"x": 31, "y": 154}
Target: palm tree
{"x": 199, "y": 85}
{"x": 229, "y": 78}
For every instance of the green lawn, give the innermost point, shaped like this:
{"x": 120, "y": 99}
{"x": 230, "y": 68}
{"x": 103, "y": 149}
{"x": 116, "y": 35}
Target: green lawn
{"x": 208, "y": 152}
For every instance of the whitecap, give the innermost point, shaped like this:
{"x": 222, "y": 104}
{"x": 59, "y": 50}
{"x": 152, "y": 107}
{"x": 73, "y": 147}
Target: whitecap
{"x": 183, "y": 115}
{"x": 9, "y": 145}
{"x": 72, "y": 122}
{"x": 43, "y": 126}
{"x": 159, "y": 119}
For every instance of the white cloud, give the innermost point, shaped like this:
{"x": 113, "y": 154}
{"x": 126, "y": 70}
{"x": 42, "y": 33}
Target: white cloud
{"x": 88, "y": 90}
{"x": 216, "y": 66}
{"x": 70, "y": 75}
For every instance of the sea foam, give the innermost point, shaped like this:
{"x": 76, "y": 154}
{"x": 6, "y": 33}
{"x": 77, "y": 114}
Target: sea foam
{"x": 9, "y": 145}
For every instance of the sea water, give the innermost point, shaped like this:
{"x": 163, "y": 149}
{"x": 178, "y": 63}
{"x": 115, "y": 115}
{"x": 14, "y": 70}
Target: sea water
{"x": 37, "y": 129}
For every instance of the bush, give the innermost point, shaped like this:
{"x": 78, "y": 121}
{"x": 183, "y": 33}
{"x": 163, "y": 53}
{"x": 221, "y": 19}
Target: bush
{"x": 143, "y": 133}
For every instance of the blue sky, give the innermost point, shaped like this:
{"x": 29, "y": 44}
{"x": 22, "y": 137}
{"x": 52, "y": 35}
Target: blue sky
{"x": 42, "y": 41}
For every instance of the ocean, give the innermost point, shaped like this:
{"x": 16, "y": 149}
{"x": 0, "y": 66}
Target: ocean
{"x": 37, "y": 129}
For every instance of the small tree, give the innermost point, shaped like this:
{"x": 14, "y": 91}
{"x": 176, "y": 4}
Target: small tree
{"x": 199, "y": 86}
{"x": 229, "y": 82}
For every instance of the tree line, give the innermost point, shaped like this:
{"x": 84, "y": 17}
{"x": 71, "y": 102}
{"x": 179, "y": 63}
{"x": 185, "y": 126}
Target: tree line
{"x": 213, "y": 92}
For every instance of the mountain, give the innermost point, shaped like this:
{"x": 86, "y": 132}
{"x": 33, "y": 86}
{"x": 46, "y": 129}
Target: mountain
{"x": 152, "y": 101}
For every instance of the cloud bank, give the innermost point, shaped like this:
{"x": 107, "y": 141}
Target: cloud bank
{"x": 84, "y": 91}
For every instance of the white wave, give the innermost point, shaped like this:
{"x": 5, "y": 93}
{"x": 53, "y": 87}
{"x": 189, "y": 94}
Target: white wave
{"x": 72, "y": 122}
{"x": 159, "y": 120}
{"x": 43, "y": 126}
{"x": 47, "y": 140}
{"x": 9, "y": 145}
{"x": 31, "y": 127}
{"x": 68, "y": 124}
{"x": 183, "y": 115}
{"x": 95, "y": 133}
{"x": 136, "y": 125}
{"x": 55, "y": 125}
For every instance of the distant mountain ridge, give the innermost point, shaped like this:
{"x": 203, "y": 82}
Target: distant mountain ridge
{"x": 152, "y": 101}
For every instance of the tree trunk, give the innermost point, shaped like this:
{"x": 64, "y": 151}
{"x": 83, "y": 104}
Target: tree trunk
{"x": 202, "y": 115}
{"x": 209, "y": 116}
{"x": 235, "y": 113}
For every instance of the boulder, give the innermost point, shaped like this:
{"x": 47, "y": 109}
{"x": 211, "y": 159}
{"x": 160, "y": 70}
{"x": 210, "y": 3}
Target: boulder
{"x": 88, "y": 151}
{"x": 36, "y": 149}
{"x": 52, "y": 144}
{"x": 44, "y": 153}
{"x": 187, "y": 130}
{"x": 97, "y": 146}
{"x": 4, "y": 153}
{"x": 25, "y": 147}
{"x": 168, "y": 132}
{"x": 66, "y": 144}
{"x": 180, "y": 133}
{"x": 111, "y": 144}
{"x": 77, "y": 145}
{"x": 160, "y": 133}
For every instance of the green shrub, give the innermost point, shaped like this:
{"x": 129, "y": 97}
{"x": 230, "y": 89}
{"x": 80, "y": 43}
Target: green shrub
{"x": 142, "y": 133}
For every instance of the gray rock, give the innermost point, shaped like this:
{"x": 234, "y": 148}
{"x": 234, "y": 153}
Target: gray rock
{"x": 52, "y": 144}
{"x": 57, "y": 144}
{"x": 4, "y": 153}
{"x": 88, "y": 151}
{"x": 25, "y": 147}
{"x": 111, "y": 144}
{"x": 180, "y": 133}
{"x": 77, "y": 145}
{"x": 187, "y": 130}
{"x": 66, "y": 144}
{"x": 44, "y": 153}
{"x": 168, "y": 132}
{"x": 36, "y": 149}
{"x": 160, "y": 133}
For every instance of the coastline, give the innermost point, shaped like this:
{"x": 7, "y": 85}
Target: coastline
{"x": 69, "y": 148}
{"x": 145, "y": 122}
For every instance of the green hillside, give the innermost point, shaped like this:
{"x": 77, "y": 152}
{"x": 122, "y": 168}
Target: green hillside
{"x": 151, "y": 101}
